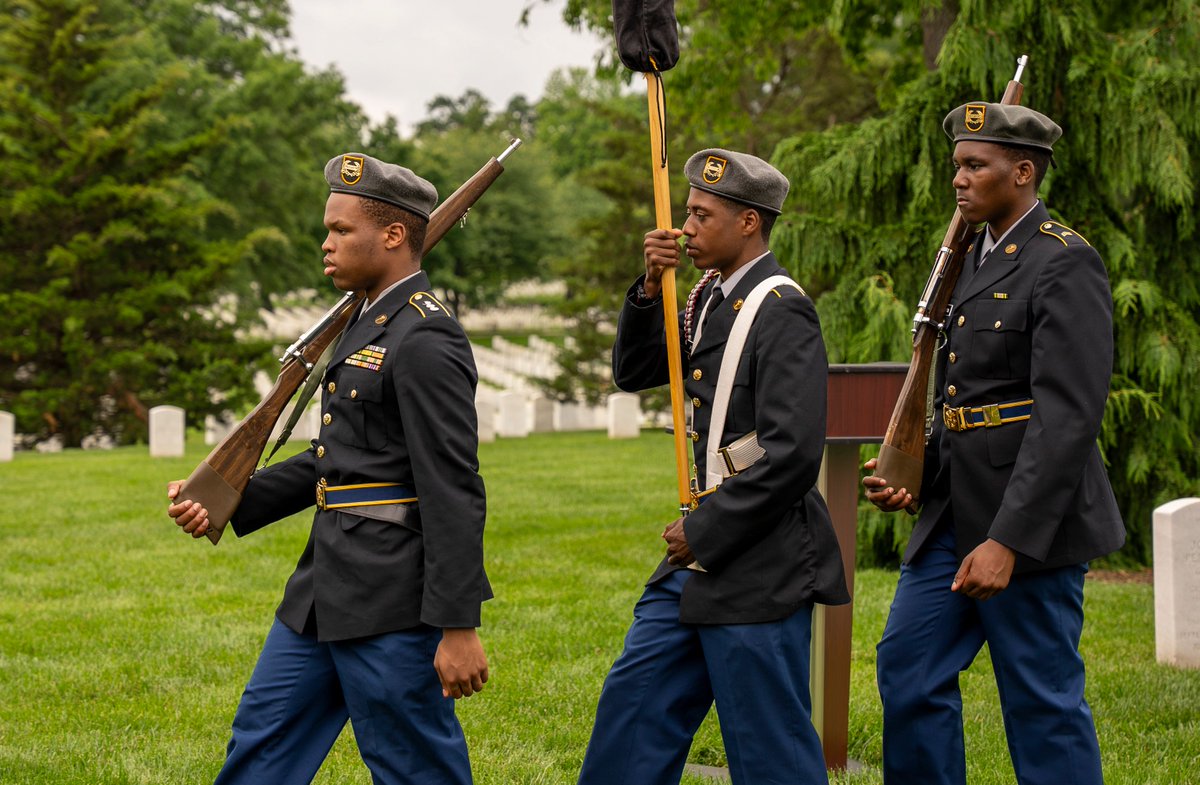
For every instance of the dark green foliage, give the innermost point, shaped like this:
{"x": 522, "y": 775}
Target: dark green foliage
{"x": 109, "y": 274}
{"x": 160, "y": 164}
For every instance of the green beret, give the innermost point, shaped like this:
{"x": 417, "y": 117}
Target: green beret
{"x": 738, "y": 176}
{"x": 1002, "y": 124}
{"x": 362, "y": 175}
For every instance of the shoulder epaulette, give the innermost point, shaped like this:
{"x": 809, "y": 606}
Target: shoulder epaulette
{"x": 427, "y": 305}
{"x": 798, "y": 289}
{"x": 1064, "y": 234}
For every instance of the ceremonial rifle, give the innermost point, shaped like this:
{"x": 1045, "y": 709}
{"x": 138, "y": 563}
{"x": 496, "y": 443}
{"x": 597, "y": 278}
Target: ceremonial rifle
{"x": 218, "y": 482}
{"x": 902, "y": 457}
{"x": 647, "y": 41}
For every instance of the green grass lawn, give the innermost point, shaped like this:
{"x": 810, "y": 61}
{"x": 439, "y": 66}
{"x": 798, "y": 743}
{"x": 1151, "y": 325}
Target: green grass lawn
{"x": 124, "y": 645}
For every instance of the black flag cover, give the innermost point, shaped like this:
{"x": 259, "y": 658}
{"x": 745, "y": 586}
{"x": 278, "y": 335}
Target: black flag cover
{"x": 647, "y": 39}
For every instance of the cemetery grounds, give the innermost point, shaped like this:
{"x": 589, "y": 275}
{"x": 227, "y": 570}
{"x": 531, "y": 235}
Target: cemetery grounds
{"x": 124, "y": 645}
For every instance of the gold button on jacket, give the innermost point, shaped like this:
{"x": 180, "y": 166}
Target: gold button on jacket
{"x": 328, "y": 418}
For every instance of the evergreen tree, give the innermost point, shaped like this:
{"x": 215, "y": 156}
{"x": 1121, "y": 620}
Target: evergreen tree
{"x": 109, "y": 276}
{"x": 871, "y": 200}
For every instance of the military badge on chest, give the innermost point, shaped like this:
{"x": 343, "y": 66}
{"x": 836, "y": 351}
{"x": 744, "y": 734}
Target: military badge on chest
{"x": 369, "y": 357}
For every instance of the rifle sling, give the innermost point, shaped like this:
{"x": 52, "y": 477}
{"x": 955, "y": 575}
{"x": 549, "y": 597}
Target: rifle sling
{"x": 306, "y": 393}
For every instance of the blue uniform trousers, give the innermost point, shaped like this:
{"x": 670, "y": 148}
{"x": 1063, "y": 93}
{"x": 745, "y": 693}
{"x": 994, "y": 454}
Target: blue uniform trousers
{"x": 661, "y": 687}
{"x": 302, "y": 691}
{"x": 1032, "y": 629}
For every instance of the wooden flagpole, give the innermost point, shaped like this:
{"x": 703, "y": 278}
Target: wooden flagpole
{"x": 662, "y": 214}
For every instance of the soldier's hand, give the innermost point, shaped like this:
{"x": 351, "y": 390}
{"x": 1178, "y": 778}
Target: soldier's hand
{"x": 661, "y": 249}
{"x": 190, "y": 516}
{"x": 985, "y": 571}
{"x": 882, "y": 495}
{"x": 460, "y": 663}
{"x": 678, "y": 551}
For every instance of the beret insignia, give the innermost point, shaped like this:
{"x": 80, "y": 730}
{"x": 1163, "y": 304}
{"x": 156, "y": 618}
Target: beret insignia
{"x": 974, "y": 117}
{"x": 352, "y": 169}
{"x": 714, "y": 169}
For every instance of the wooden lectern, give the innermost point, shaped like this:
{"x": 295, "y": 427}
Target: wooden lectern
{"x": 861, "y": 399}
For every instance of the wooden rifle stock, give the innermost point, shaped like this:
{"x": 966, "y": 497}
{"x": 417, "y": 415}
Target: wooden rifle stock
{"x": 902, "y": 456}
{"x": 219, "y": 481}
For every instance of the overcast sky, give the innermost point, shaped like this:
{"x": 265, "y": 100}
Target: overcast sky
{"x": 396, "y": 55}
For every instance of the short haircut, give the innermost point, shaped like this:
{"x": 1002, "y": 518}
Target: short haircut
{"x": 1039, "y": 158}
{"x": 766, "y": 219}
{"x": 384, "y": 214}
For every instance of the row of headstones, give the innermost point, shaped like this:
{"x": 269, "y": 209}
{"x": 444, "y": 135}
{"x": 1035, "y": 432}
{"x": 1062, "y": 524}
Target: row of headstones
{"x": 515, "y": 414}
{"x": 1176, "y": 531}
{"x": 510, "y": 366}
{"x": 509, "y": 414}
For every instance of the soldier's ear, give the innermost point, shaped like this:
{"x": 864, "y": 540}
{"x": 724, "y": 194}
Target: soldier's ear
{"x": 1024, "y": 172}
{"x": 751, "y": 222}
{"x": 395, "y": 237}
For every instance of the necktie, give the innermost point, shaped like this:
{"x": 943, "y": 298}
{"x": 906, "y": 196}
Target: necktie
{"x": 717, "y": 297}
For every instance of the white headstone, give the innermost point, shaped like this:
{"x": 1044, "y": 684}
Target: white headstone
{"x": 624, "y": 416}
{"x": 166, "y": 432}
{"x": 8, "y": 432}
{"x": 485, "y": 411}
{"x": 514, "y": 415}
{"x": 1177, "y": 583}
{"x": 542, "y": 410}
{"x": 97, "y": 440}
{"x": 566, "y": 417}
{"x": 51, "y": 445}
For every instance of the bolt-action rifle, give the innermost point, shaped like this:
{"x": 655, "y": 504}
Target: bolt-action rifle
{"x": 218, "y": 482}
{"x": 902, "y": 457}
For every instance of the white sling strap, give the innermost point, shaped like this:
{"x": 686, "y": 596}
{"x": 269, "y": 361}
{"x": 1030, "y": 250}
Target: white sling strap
{"x": 714, "y": 462}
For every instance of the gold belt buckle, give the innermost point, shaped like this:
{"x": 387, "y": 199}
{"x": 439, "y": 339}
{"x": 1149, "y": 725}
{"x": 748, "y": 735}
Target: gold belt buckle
{"x": 321, "y": 485}
{"x": 991, "y": 415}
{"x": 953, "y": 418}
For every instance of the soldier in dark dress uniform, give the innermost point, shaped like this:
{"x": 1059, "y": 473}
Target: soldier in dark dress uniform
{"x": 1016, "y": 499}
{"x": 377, "y": 623}
{"x": 735, "y": 627}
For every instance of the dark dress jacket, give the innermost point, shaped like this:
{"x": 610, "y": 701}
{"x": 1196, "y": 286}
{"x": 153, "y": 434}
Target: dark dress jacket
{"x": 410, "y": 421}
{"x": 1035, "y": 321}
{"x": 765, "y": 537}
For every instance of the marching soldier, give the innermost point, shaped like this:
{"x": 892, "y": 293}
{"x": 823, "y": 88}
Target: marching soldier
{"x": 1016, "y": 499}
{"x": 727, "y": 615}
{"x": 377, "y": 623}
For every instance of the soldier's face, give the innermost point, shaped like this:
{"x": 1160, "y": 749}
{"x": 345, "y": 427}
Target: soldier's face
{"x": 985, "y": 182}
{"x": 712, "y": 234}
{"x": 354, "y": 247}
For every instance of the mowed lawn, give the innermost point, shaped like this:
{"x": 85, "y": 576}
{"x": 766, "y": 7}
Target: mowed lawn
{"x": 124, "y": 645}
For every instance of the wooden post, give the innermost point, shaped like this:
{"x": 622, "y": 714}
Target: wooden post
{"x": 860, "y": 401}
